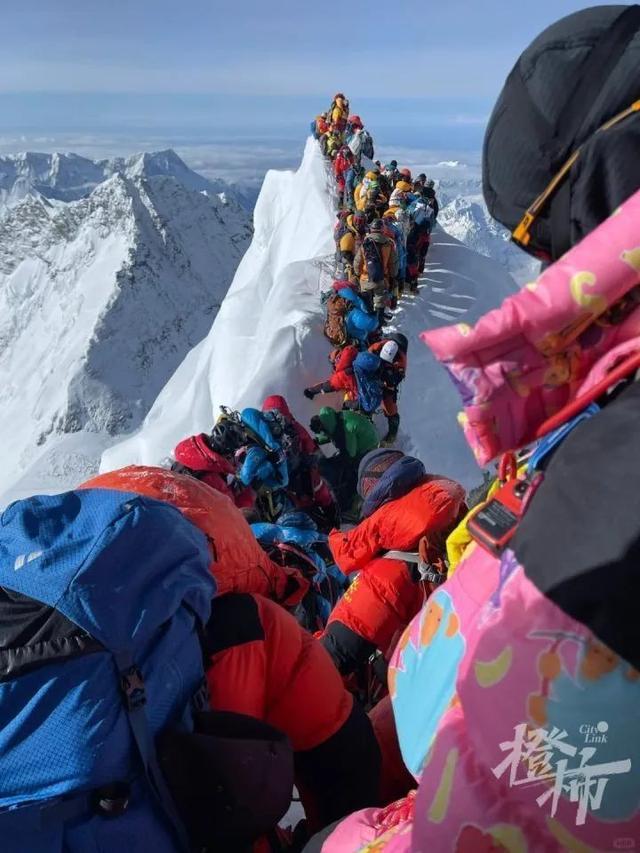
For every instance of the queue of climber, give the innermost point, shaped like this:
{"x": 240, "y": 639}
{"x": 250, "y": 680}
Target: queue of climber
{"x": 180, "y": 647}
{"x": 382, "y": 236}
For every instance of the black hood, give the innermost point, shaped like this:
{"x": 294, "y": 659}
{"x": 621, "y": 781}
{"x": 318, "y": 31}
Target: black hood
{"x": 575, "y": 76}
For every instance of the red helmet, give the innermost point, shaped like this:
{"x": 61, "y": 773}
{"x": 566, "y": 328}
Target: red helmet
{"x": 406, "y": 173}
{"x": 355, "y": 121}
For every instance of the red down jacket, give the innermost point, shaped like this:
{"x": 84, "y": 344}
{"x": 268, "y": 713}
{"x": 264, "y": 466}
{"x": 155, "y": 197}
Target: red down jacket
{"x": 385, "y": 596}
{"x": 263, "y": 664}
{"x": 212, "y": 468}
{"x": 239, "y": 564}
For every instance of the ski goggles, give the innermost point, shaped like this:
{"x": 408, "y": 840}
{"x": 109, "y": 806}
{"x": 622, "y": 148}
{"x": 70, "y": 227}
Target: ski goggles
{"x": 521, "y": 234}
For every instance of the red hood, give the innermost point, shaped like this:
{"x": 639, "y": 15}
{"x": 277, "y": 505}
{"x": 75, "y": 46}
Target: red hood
{"x": 195, "y": 453}
{"x": 275, "y": 401}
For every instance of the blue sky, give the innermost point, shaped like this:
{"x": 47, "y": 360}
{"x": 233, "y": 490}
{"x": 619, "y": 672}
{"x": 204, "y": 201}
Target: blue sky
{"x": 149, "y": 73}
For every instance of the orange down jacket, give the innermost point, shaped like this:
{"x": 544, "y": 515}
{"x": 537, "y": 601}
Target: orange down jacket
{"x": 239, "y": 564}
{"x": 385, "y": 596}
{"x": 263, "y": 664}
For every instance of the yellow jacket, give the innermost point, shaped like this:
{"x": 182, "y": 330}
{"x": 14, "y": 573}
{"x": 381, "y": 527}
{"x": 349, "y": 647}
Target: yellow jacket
{"x": 460, "y": 538}
{"x": 338, "y": 111}
{"x": 360, "y": 197}
{"x": 348, "y": 242}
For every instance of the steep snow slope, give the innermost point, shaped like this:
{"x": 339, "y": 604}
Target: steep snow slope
{"x": 100, "y": 300}
{"x": 458, "y": 286}
{"x": 267, "y": 337}
{"x": 469, "y": 221}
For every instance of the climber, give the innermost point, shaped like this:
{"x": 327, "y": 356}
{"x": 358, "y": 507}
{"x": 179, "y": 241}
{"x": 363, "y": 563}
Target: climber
{"x": 376, "y": 265}
{"x": 340, "y": 229}
{"x": 351, "y": 234}
{"x": 375, "y": 201}
{"x": 358, "y": 376}
{"x": 330, "y": 144}
{"x": 421, "y": 219}
{"x": 391, "y": 173}
{"x": 307, "y": 489}
{"x": 263, "y": 461}
{"x": 392, "y": 229}
{"x": 339, "y": 113}
{"x": 352, "y": 178}
{"x": 196, "y": 456}
{"x": 429, "y": 193}
{"x": 393, "y": 371}
{"x": 319, "y": 126}
{"x": 558, "y": 597}
{"x": 342, "y": 380}
{"x": 296, "y": 541}
{"x": 359, "y": 324}
{"x": 261, "y": 663}
{"x": 402, "y": 506}
{"x": 420, "y": 182}
{"x": 341, "y": 165}
{"x": 401, "y": 195}
{"x": 353, "y": 435}
{"x": 354, "y": 136}
{"x": 238, "y": 564}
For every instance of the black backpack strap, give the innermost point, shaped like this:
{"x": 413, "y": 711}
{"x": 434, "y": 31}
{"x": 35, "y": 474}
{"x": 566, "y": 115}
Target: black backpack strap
{"x": 134, "y": 697}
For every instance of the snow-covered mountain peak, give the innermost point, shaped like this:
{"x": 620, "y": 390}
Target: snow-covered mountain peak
{"x": 70, "y": 177}
{"x": 166, "y": 163}
{"x": 100, "y": 300}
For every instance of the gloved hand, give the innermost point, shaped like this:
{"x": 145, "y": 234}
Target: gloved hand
{"x": 309, "y": 393}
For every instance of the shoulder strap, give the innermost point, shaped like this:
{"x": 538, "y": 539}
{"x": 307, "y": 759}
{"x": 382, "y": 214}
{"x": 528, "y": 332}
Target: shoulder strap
{"x": 134, "y": 697}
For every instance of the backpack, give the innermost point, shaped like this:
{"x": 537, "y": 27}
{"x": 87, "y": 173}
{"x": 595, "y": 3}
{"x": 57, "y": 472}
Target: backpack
{"x": 334, "y": 324}
{"x": 367, "y": 145}
{"x": 367, "y": 368}
{"x": 99, "y": 655}
{"x": 373, "y": 259}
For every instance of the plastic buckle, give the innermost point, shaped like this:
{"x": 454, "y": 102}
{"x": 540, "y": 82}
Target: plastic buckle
{"x": 112, "y": 800}
{"x": 132, "y": 686}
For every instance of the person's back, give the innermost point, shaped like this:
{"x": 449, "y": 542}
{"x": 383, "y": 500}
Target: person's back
{"x": 360, "y": 433}
{"x": 402, "y": 504}
{"x": 262, "y": 664}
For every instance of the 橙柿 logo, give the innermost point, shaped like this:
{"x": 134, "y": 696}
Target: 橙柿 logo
{"x": 546, "y": 758}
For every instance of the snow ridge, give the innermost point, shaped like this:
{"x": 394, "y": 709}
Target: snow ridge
{"x": 267, "y": 337}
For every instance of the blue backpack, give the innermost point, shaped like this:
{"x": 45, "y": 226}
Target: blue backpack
{"x": 99, "y": 653}
{"x": 266, "y": 462}
{"x": 367, "y": 372}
